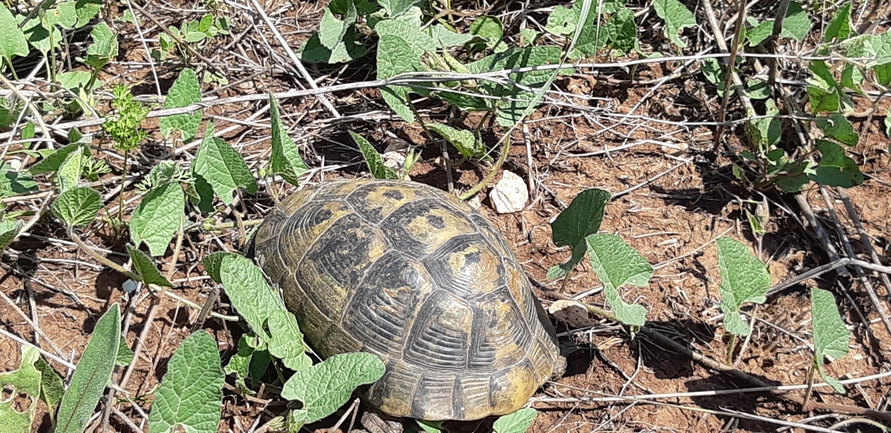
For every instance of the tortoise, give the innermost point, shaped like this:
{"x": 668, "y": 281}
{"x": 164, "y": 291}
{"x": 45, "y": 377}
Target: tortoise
{"x": 415, "y": 276}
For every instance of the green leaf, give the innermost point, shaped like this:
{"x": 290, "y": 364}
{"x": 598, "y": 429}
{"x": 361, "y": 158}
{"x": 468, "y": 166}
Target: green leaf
{"x": 562, "y": 21}
{"x": 285, "y": 160}
{"x": 489, "y": 28}
{"x": 328, "y": 385}
{"x": 797, "y": 24}
{"x": 395, "y": 56}
{"x": 373, "y": 159}
{"x": 185, "y": 91}
{"x": 840, "y": 26}
{"x": 86, "y": 10}
{"x": 42, "y": 38}
{"x": 883, "y": 74}
{"x": 104, "y": 47}
{"x": 78, "y": 206}
{"x": 511, "y": 111}
{"x": 64, "y": 15}
{"x": 446, "y": 38}
{"x": 830, "y": 334}
{"x": 52, "y": 162}
{"x": 264, "y": 311}
{"x": 191, "y": 393}
{"x": 394, "y": 8}
{"x": 333, "y": 30}
{"x": 70, "y": 170}
{"x": 757, "y": 89}
{"x": 25, "y": 380}
{"x": 12, "y": 39}
{"x": 528, "y": 36}
{"x": 517, "y": 422}
{"x": 759, "y": 33}
{"x": 581, "y": 219}
{"x": 743, "y": 279}
{"x": 618, "y": 264}
{"x": 51, "y": 387}
{"x": 839, "y": 128}
{"x": 621, "y": 31}
{"x": 14, "y": 182}
{"x": 143, "y": 266}
{"x": 676, "y": 17}
{"x": 418, "y": 42}
{"x": 125, "y": 355}
{"x": 765, "y": 132}
{"x": 463, "y": 140}
{"x": 158, "y": 217}
{"x": 822, "y": 101}
{"x": 835, "y": 168}
{"x": 348, "y": 49}
{"x": 9, "y": 229}
{"x": 92, "y": 374}
{"x": 212, "y": 263}
{"x": 222, "y": 167}
{"x": 251, "y": 361}
{"x": 591, "y": 37}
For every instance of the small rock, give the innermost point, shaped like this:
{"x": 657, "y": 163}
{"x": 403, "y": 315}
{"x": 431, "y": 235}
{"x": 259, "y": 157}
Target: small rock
{"x": 509, "y": 194}
{"x": 474, "y": 202}
{"x": 573, "y": 313}
{"x": 394, "y": 160}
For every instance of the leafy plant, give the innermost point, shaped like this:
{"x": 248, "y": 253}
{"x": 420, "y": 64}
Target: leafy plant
{"x": 195, "y": 33}
{"x": 743, "y": 279}
{"x": 822, "y": 158}
{"x": 92, "y": 374}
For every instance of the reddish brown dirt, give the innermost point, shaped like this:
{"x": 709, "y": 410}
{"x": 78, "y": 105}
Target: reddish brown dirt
{"x": 673, "y": 221}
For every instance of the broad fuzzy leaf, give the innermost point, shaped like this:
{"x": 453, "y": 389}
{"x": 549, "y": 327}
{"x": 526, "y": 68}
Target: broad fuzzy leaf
{"x": 78, "y": 206}
{"x": 143, "y": 266}
{"x": 92, "y": 374}
{"x": 517, "y": 422}
{"x": 373, "y": 159}
{"x": 581, "y": 219}
{"x": 325, "y": 387}
{"x": 743, "y": 279}
{"x": 264, "y": 311}
{"x": 676, "y": 17}
{"x": 830, "y": 334}
{"x": 12, "y": 39}
{"x": 158, "y": 217}
{"x": 222, "y": 167}
{"x": 191, "y": 393}
{"x": 185, "y": 91}
{"x": 285, "y": 160}
{"x": 617, "y": 264}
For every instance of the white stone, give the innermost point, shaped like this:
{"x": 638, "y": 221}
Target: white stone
{"x": 509, "y": 194}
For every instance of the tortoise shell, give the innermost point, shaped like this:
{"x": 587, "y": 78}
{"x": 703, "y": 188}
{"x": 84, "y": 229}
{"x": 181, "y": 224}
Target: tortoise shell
{"x": 415, "y": 276}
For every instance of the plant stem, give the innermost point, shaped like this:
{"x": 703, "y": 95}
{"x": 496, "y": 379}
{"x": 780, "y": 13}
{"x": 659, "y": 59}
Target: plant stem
{"x": 810, "y": 386}
{"x": 730, "y": 346}
{"x": 121, "y": 197}
{"x": 90, "y": 252}
{"x": 489, "y": 177}
{"x": 432, "y": 138}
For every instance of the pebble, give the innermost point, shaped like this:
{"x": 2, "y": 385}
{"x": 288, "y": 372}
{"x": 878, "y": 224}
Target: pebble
{"x": 510, "y": 194}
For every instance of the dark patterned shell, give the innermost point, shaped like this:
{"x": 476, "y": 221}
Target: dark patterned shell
{"x": 411, "y": 274}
